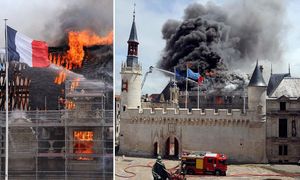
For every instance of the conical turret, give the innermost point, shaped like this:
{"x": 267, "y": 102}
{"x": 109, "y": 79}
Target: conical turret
{"x": 257, "y": 78}
{"x": 132, "y": 55}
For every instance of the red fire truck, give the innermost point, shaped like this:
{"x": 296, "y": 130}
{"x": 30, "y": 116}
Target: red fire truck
{"x": 204, "y": 163}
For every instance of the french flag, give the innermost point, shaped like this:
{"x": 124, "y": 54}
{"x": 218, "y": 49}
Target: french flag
{"x": 23, "y": 49}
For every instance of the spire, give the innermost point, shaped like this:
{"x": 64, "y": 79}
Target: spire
{"x": 289, "y": 69}
{"x": 132, "y": 54}
{"x": 257, "y": 77}
{"x": 133, "y": 33}
{"x": 134, "y": 12}
{"x": 271, "y": 69}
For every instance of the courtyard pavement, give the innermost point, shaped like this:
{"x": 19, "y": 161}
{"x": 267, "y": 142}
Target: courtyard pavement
{"x": 140, "y": 168}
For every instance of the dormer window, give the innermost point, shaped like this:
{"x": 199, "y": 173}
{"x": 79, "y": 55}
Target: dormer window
{"x": 282, "y": 106}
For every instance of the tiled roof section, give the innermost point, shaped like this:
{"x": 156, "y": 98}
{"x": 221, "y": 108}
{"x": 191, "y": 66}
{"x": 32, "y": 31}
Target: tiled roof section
{"x": 289, "y": 87}
{"x": 274, "y": 81}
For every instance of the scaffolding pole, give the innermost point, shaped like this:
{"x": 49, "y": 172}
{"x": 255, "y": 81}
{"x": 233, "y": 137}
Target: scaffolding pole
{"x": 6, "y": 104}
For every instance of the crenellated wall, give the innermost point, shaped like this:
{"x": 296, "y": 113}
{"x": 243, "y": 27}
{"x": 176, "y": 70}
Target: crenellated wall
{"x": 241, "y": 136}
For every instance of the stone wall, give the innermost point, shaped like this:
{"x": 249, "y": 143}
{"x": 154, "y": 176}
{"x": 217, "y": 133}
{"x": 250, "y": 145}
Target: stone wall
{"x": 240, "y": 136}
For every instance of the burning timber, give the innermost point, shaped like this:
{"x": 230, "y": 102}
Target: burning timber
{"x": 44, "y": 93}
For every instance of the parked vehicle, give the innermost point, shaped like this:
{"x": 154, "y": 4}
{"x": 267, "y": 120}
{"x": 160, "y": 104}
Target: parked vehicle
{"x": 204, "y": 163}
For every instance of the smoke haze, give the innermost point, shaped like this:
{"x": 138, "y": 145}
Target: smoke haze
{"x": 232, "y": 36}
{"x": 49, "y": 20}
{"x": 94, "y": 15}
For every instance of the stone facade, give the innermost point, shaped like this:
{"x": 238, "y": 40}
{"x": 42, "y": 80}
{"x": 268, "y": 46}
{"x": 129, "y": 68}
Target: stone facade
{"x": 147, "y": 133}
{"x": 283, "y": 124}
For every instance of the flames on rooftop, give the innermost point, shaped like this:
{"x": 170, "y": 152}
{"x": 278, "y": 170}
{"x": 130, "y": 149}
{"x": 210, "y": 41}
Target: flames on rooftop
{"x": 74, "y": 56}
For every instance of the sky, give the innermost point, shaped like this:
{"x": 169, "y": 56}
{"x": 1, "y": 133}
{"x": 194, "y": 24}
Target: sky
{"x": 150, "y": 17}
{"x": 43, "y": 20}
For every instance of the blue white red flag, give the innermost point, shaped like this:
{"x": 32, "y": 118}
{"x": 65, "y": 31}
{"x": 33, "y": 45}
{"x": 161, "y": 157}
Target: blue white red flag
{"x": 24, "y": 49}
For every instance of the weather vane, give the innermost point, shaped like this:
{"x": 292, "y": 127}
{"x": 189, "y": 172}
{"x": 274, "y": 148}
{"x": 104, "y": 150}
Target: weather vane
{"x": 134, "y": 11}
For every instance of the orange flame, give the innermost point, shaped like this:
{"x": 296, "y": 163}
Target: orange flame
{"x": 60, "y": 78}
{"x": 84, "y": 38}
{"x": 83, "y": 143}
{"x": 74, "y": 84}
{"x": 77, "y": 40}
{"x": 69, "y": 105}
{"x": 74, "y": 56}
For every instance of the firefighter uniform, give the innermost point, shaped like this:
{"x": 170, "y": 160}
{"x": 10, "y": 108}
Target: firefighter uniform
{"x": 159, "y": 171}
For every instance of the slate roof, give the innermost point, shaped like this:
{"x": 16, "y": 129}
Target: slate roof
{"x": 289, "y": 87}
{"x": 257, "y": 77}
{"x": 274, "y": 82}
{"x": 133, "y": 33}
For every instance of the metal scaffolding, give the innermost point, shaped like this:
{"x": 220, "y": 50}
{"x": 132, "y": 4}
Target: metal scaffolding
{"x": 74, "y": 143}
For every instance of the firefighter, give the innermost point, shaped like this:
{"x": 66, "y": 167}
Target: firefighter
{"x": 159, "y": 171}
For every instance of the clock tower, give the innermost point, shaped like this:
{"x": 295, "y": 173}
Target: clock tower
{"x": 131, "y": 73}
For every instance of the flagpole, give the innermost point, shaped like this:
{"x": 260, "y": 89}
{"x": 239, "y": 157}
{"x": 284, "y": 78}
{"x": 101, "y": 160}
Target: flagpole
{"x": 6, "y": 103}
{"x": 174, "y": 74}
{"x": 198, "y": 100}
{"x": 186, "y": 86}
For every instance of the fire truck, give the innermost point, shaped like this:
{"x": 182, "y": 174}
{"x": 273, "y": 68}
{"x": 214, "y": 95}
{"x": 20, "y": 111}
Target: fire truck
{"x": 204, "y": 163}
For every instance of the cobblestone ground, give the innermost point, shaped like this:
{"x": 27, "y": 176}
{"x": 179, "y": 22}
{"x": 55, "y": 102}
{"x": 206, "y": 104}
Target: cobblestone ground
{"x": 140, "y": 168}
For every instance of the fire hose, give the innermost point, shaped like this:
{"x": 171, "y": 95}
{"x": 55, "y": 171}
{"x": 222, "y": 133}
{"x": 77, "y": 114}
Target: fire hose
{"x": 277, "y": 175}
{"x": 150, "y": 164}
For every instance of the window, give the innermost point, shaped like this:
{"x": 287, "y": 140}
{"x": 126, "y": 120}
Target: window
{"x": 190, "y": 162}
{"x": 294, "y": 131}
{"x": 83, "y": 144}
{"x": 283, "y": 150}
{"x": 222, "y": 162}
{"x": 210, "y": 160}
{"x": 283, "y": 128}
{"x": 282, "y": 106}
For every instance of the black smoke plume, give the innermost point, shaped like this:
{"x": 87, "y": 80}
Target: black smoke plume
{"x": 222, "y": 38}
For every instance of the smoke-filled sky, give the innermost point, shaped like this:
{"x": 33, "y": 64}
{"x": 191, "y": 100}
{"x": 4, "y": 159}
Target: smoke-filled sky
{"x": 265, "y": 30}
{"x": 48, "y": 20}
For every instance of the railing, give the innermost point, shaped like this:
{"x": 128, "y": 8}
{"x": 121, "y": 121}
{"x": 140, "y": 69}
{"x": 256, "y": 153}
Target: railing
{"x": 56, "y": 117}
{"x": 38, "y": 154}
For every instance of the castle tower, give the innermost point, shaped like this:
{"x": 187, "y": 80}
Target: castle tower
{"x": 257, "y": 91}
{"x": 131, "y": 73}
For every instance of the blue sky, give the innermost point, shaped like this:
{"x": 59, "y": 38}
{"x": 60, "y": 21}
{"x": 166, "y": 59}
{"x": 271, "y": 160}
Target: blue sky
{"x": 150, "y": 17}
